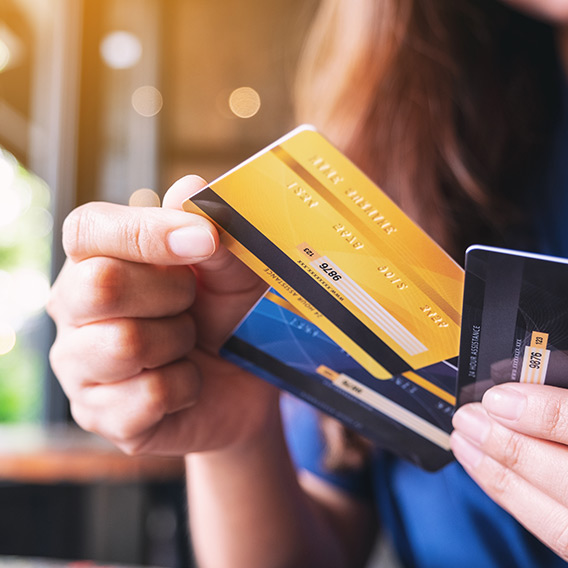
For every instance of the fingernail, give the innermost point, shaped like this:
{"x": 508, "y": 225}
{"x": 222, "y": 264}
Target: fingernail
{"x": 472, "y": 421}
{"x": 465, "y": 452}
{"x": 191, "y": 242}
{"x": 505, "y": 402}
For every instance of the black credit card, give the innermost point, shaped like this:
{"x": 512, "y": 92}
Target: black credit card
{"x": 514, "y": 321}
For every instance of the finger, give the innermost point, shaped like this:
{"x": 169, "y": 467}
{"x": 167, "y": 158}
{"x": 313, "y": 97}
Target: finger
{"x": 114, "y": 350}
{"x": 123, "y": 412}
{"x": 140, "y": 234}
{"x": 227, "y": 288}
{"x": 189, "y": 429}
{"x": 221, "y": 278}
{"x": 540, "y": 462}
{"x": 182, "y": 189}
{"x": 103, "y": 288}
{"x": 536, "y": 410}
{"x": 538, "y": 512}
{"x": 223, "y": 263}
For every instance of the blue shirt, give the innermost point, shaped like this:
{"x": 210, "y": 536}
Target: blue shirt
{"x": 443, "y": 518}
{"x": 433, "y": 519}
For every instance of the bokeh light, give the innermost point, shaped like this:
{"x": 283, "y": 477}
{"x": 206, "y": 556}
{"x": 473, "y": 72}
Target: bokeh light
{"x": 10, "y": 206}
{"x": 8, "y": 167}
{"x": 31, "y": 290}
{"x": 144, "y": 198}
{"x": 7, "y": 338}
{"x": 147, "y": 101}
{"x": 41, "y": 222}
{"x": 4, "y": 55}
{"x": 15, "y": 197}
{"x": 23, "y": 294}
{"x": 120, "y": 50}
{"x": 244, "y": 102}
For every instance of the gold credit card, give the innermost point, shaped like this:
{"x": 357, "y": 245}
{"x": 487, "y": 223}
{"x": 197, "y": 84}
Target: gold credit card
{"x": 317, "y": 230}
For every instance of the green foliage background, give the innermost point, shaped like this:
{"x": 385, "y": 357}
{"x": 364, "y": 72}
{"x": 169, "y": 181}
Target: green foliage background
{"x": 25, "y": 243}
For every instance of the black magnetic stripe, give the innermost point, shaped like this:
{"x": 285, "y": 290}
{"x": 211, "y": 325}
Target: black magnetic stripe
{"x": 387, "y": 432}
{"x": 277, "y": 368}
{"x": 503, "y": 282}
{"x": 268, "y": 253}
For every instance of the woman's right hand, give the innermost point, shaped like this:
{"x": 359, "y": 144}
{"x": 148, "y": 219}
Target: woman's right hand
{"x": 138, "y": 329}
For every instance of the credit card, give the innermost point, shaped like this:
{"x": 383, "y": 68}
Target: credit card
{"x": 317, "y": 230}
{"x": 409, "y": 414}
{"x": 515, "y": 321}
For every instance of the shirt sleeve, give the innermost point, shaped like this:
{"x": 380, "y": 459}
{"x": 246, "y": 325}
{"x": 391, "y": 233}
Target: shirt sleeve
{"x": 307, "y": 448}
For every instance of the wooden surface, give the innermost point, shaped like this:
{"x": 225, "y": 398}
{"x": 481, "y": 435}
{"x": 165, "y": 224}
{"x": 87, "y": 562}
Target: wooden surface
{"x": 40, "y": 454}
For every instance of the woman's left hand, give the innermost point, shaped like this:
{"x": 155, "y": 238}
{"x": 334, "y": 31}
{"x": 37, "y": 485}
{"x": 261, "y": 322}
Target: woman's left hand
{"x": 514, "y": 444}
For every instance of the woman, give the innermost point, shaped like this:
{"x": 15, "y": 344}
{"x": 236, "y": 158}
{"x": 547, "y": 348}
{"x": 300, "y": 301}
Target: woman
{"x": 451, "y": 107}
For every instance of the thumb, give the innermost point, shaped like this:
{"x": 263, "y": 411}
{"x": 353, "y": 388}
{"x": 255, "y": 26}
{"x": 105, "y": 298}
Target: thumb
{"x": 227, "y": 289}
{"x": 139, "y": 234}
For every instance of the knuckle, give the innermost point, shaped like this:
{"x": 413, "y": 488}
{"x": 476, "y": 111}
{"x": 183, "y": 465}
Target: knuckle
{"x": 138, "y": 239}
{"x": 129, "y": 434}
{"x": 84, "y": 419}
{"x": 554, "y": 419}
{"x": 54, "y": 358}
{"x": 512, "y": 451}
{"x": 154, "y": 393}
{"x": 102, "y": 285}
{"x": 560, "y": 541}
{"x": 58, "y": 361}
{"x": 139, "y": 445}
{"x": 187, "y": 381}
{"x": 51, "y": 306}
{"x": 128, "y": 448}
{"x": 185, "y": 295}
{"x": 127, "y": 342}
{"x": 123, "y": 425}
{"x": 127, "y": 425}
{"x": 133, "y": 447}
{"x": 123, "y": 432}
{"x": 501, "y": 482}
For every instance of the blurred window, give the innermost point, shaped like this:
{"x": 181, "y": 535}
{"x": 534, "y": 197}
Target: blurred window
{"x": 26, "y": 227}
{"x": 39, "y": 68}
{"x": 100, "y": 98}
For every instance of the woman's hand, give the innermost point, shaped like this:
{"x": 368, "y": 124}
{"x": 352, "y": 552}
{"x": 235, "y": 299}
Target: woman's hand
{"x": 139, "y": 329}
{"x": 515, "y": 445}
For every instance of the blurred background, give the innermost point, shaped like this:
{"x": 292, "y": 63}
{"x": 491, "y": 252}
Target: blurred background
{"x": 99, "y": 98}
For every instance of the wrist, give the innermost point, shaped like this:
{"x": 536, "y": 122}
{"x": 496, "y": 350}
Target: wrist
{"x": 258, "y": 439}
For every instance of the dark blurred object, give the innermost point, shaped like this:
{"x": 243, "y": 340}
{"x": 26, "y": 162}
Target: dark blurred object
{"x": 16, "y": 562}
{"x": 67, "y": 494}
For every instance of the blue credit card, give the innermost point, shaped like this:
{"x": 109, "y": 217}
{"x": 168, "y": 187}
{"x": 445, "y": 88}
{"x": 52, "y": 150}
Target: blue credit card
{"x": 514, "y": 321}
{"x": 409, "y": 414}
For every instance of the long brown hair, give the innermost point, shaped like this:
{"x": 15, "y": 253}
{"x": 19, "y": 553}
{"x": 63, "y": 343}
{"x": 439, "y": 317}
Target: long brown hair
{"x": 447, "y": 104}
